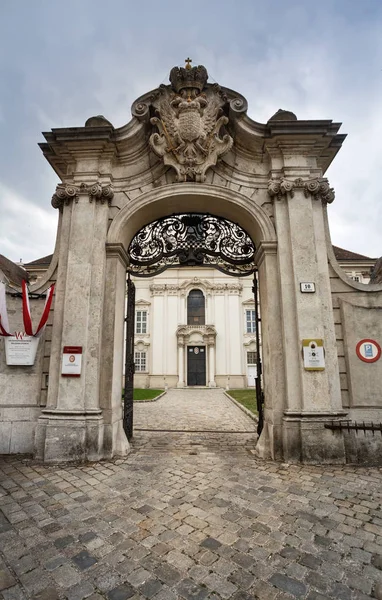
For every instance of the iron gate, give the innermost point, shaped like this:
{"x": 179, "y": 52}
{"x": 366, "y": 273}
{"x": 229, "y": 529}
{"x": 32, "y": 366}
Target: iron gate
{"x": 258, "y": 386}
{"x": 129, "y": 361}
{"x": 191, "y": 239}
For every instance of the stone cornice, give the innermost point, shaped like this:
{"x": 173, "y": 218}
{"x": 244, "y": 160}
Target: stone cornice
{"x": 118, "y": 251}
{"x": 159, "y": 289}
{"x": 318, "y": 188}
{"x": 142, "y": 302}
{"x": 208, "y": 332}
{"x": 66, "y": 193}
{"x": 263, "y": 249}
{"x": 65, "y": 148}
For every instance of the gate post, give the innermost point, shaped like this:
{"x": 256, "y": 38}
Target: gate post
{"x": 311, "y": 396}
{"x": 71, "y": 427}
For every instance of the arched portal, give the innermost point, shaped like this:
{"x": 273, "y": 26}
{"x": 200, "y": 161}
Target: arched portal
{"x": 222, "y": 203}
{"x": 192, "y": 240}
{"x": 191, "y": 148}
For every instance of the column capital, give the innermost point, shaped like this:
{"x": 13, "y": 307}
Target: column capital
{"x": 319, "y": 188}
{"x": 66, "y": 193}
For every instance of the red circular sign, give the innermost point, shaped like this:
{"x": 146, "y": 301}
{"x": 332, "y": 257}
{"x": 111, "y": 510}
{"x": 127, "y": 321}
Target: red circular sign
{"x": 368, "y": 350}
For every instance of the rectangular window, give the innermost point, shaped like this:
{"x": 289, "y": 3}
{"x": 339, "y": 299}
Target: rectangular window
{"x": 250, "y": 321}
{"x": 140, "y": 361}
{"x": 141, "y": 321}
{"x": 251, "y": 358}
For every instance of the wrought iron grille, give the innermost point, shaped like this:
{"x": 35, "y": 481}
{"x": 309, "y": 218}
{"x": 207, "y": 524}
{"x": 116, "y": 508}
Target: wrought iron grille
{"x": 192, "y": 240}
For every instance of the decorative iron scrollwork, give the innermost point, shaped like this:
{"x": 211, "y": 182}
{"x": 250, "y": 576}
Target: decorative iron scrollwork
{"x": 192, "y": 240}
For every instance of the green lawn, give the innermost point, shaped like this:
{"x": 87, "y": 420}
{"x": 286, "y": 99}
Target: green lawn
{"x": 246, "y": 397}
{"x": 141, "y": 395}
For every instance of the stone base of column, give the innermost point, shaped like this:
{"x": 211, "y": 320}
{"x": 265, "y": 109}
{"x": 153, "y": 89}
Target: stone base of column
{"x": 115, "y": 442}
{"x": 69, "y": 436}
{"x": 306, "y": 440}
{"x": 180, "y": 384}
{"x": 269, "y": 445}
{"x": 212, "y": 384}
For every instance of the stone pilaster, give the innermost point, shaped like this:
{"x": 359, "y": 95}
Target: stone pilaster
{"x": 181, "y": 382}
{"x": 71, "y": 427}
{"x": 211, "y": 364}
{"x": 311, "y": 396}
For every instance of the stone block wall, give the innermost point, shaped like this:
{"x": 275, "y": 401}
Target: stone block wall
{"x": 23, "y": 388}
{"x": 357, "y": 310}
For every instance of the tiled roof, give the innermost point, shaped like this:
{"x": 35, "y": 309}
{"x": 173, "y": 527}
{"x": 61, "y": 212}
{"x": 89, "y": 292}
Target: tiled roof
{"x": 13, "y": 272}
{"x": 342, "y": 254}
{"x": 45, "y": 260}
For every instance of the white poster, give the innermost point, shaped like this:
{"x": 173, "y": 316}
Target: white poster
{"x": 71, "y": 361}
{"x": 21, "y": 349}
{"x": 313, "y": 352}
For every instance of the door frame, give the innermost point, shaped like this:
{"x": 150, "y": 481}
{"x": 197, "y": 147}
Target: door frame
{"x": 205, "y": 363}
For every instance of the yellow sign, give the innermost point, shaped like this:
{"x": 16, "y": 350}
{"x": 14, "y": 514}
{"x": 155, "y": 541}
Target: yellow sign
{"x": 313, "y": 354}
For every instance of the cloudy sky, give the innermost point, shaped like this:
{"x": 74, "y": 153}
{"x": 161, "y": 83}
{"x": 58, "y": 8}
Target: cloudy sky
{"x": 63, "y": 62}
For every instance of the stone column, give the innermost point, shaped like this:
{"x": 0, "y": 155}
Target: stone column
{"x": 71, "y": 427}
{"x": 211, "y": 361}
{"x": 269, "y": 445}
{"x": 113, "y": 347}
{"x": 181, "y": 382}
{"x": 311, "y": 396}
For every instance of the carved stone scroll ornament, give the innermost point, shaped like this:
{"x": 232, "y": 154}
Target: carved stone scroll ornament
{"x": 65, "y": 194}
{"x": 318, "y": 188}
{"x": 189, "y": 123}
{"x": 103, "y": 193}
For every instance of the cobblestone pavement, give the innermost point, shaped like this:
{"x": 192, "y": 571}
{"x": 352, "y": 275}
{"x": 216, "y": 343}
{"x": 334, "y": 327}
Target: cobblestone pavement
{"x": 197, "y": 410}
{"x": 199, "y": 520}
{"x": 192, "y": 409}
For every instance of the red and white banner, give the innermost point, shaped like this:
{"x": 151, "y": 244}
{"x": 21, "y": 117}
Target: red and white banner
{"x": 4, "y": 324}
{"x": 26, "y": 310}
{"x": 45, "y": 314}
{"x": 27, "y": 319}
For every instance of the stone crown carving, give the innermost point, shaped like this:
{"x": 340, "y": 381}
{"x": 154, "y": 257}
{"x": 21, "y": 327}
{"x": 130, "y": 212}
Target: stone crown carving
{"x": 189, "y": 123}
{"x": 319, "y": 188}
{"x": 65, "y": 193}
{"x": 188, "y": 78}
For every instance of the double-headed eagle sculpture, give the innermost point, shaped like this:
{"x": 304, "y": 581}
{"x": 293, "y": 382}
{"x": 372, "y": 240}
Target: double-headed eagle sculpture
{"x": 189, "y": 123}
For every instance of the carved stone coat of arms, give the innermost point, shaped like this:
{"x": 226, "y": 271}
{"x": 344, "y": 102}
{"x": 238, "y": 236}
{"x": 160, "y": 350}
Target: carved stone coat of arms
{"x": 190, "y": 123}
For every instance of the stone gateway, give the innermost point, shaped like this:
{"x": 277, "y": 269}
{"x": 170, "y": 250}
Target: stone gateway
{"x": 191, "y": 149}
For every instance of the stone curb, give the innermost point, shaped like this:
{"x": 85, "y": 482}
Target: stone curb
{"x": 152, "y": 399}
{"x": 247, "y": 412}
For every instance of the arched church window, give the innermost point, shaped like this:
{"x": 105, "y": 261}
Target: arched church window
{"x": 196, "y": 308}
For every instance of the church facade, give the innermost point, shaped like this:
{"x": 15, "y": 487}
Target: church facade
{"x": 223, "y": 330}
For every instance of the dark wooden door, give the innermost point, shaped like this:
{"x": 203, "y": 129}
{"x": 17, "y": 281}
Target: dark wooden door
{"x": 196, "y": 365}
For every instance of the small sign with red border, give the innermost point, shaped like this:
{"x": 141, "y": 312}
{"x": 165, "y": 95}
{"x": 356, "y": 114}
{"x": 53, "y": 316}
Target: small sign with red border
{"x": 368, "y": 350}
{"x": 71, "y": 361}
